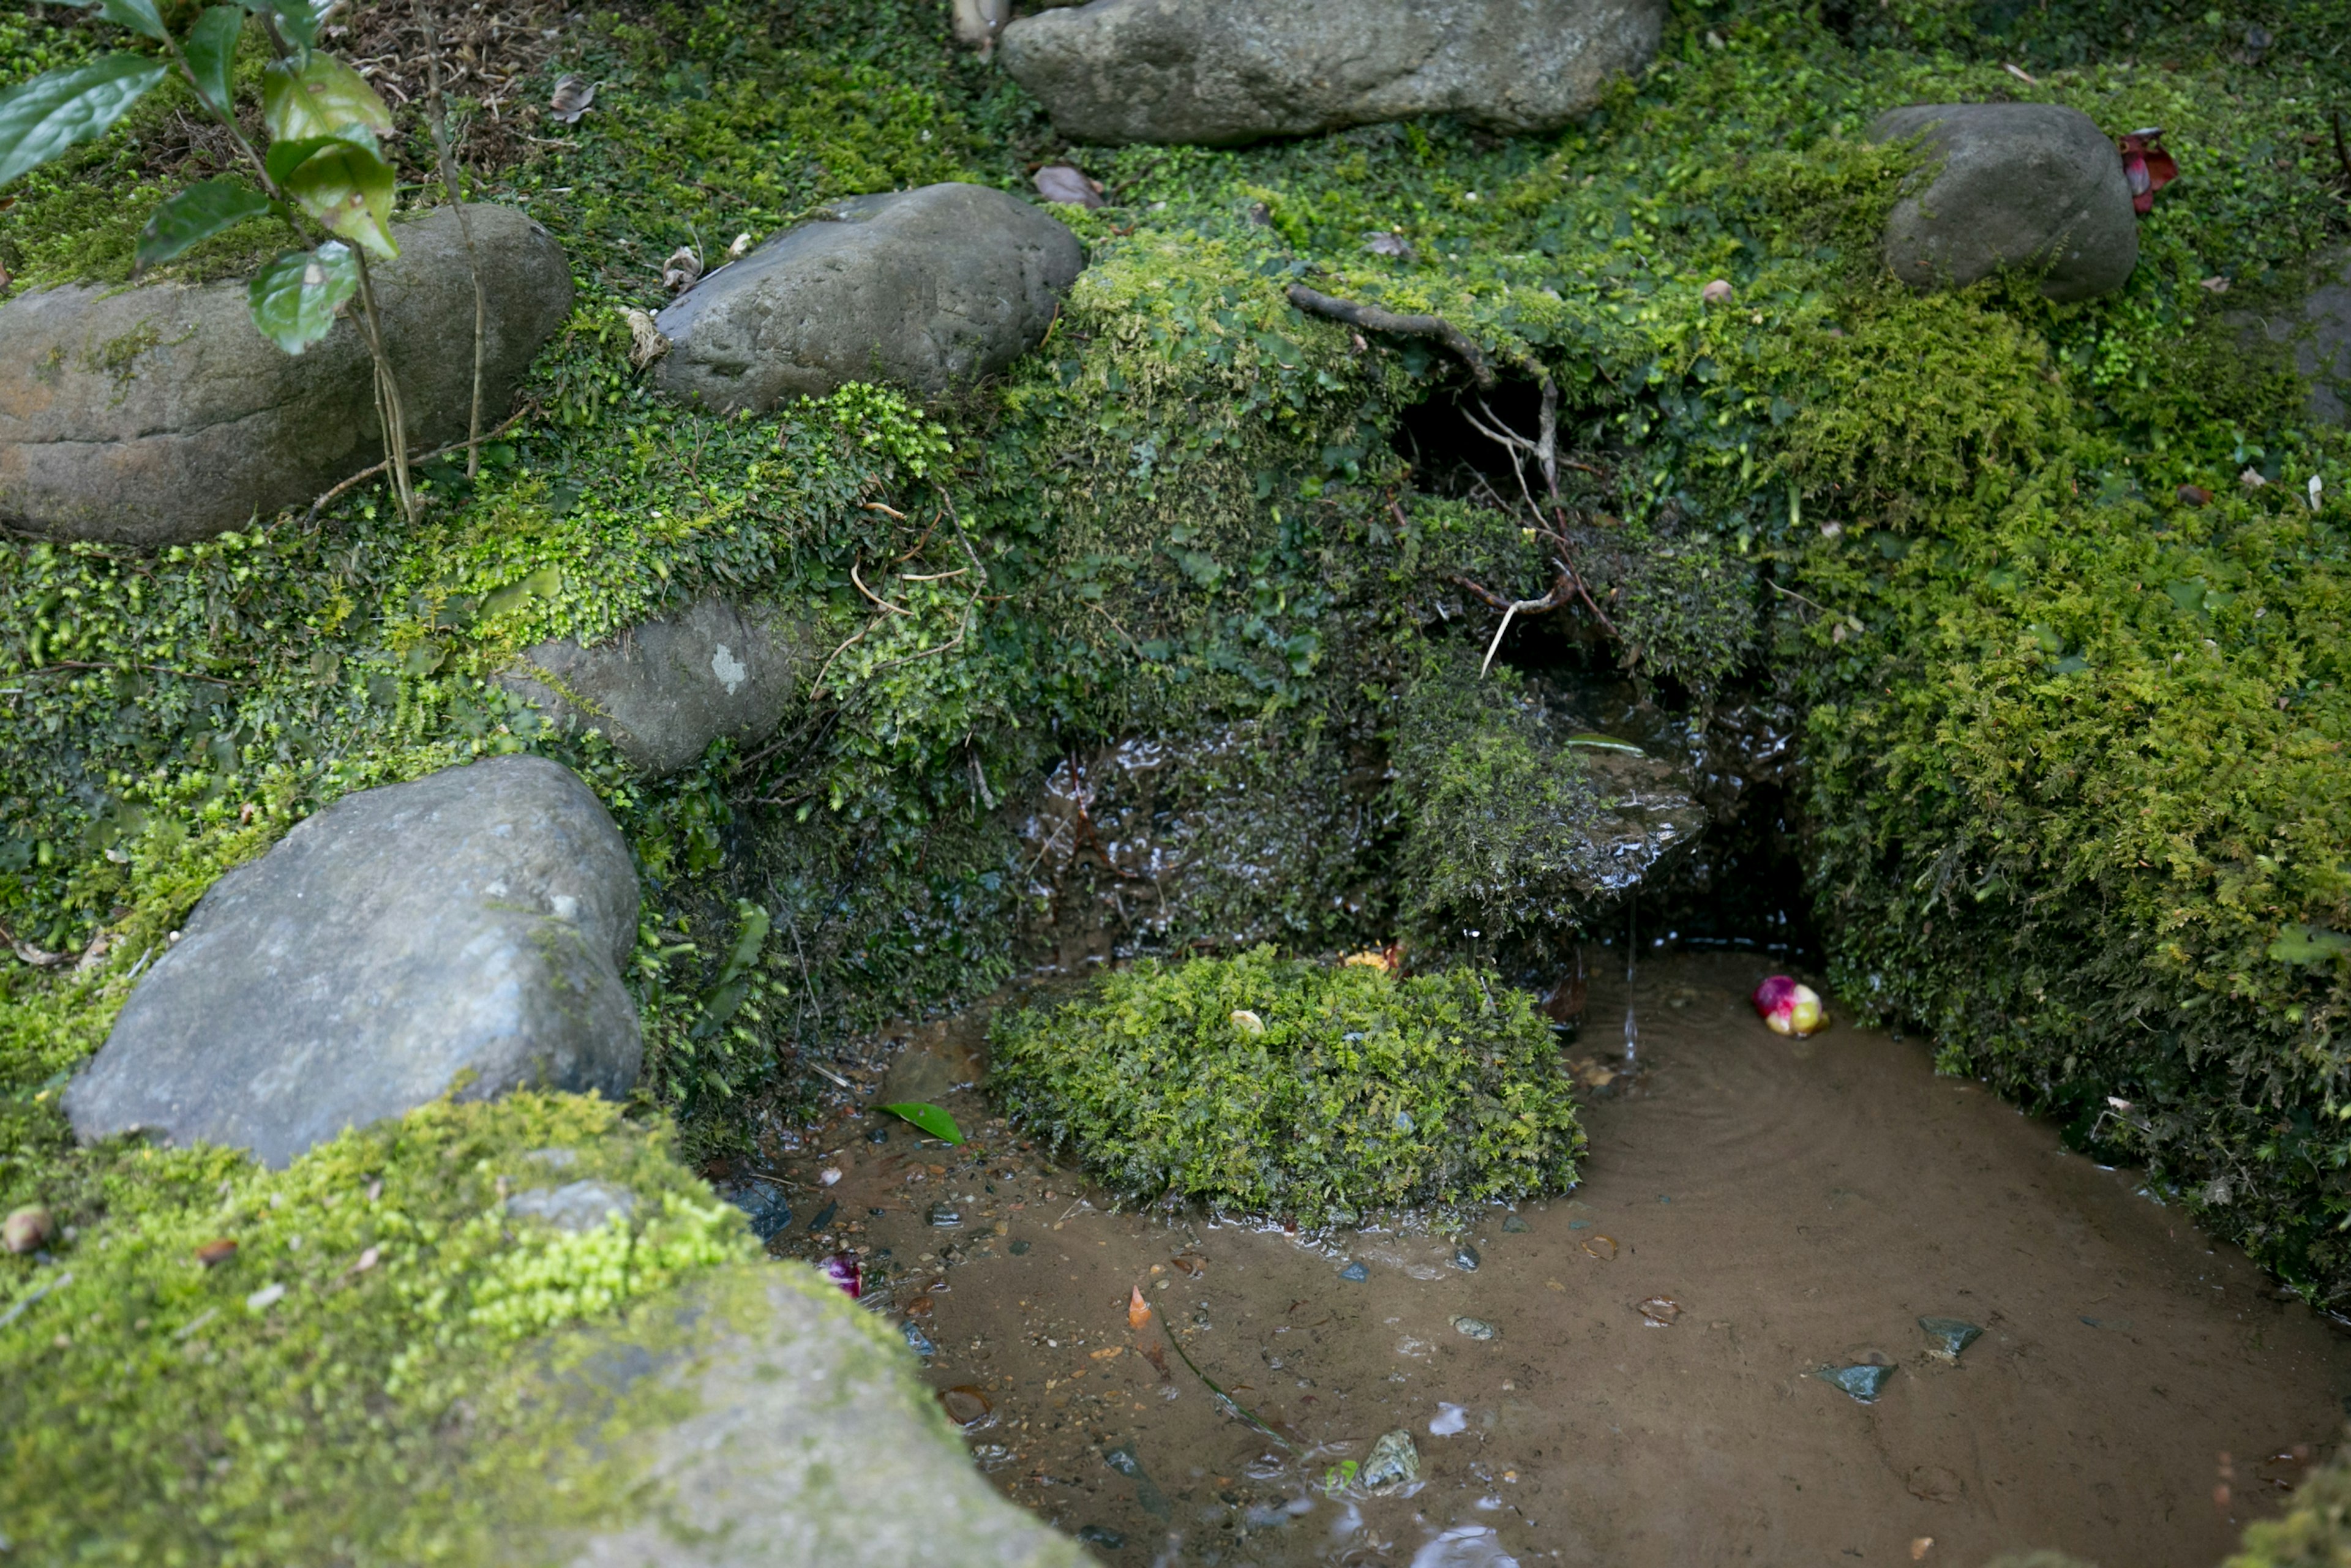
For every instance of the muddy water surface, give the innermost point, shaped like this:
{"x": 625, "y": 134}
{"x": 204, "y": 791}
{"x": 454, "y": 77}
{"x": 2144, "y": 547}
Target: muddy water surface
{"x": 1627, "y": 1375}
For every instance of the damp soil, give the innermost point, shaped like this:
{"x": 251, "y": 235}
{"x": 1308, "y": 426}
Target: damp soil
{"x": 1629, "y": 1375}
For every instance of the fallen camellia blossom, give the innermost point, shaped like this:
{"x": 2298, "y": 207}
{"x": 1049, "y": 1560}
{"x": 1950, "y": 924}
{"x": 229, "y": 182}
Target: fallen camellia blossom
{"x": 841, "y": 1267}
{"x": 1789, "y": 1007}
{"x": 2148, "y": 167}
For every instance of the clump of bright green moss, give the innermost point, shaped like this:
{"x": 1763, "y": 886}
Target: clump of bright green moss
{"x": 1309, "y": 1092}
{"x": 2314, "y": 1532}
{"x": 327, "y": 1392}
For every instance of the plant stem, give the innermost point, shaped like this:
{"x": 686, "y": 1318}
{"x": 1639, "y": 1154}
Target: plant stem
{"x": 440, "y": 124}
{"x": 225, "y": 114}
{"x": 393, "y": 416}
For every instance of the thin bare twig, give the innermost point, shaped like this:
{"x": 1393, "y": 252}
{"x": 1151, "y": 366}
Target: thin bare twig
{"x": 369, "y": 472}
{"x": 893, "y": 609}
{"x": 449, "y": 182}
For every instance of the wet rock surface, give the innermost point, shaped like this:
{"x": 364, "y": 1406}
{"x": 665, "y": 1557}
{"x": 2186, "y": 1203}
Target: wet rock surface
{"x": 663, "y": 690}
{"x": 2313, "y": 327}
{"x": 810, "y": 1445}
{"x": 158, "y": 414}
{"x": 1757, "y": 1208}
{"x": 1227, "y": 71}
{"x": 470, "y": 923}
{"x": 928, "y": 289}
{"x": 2035, "y": 186}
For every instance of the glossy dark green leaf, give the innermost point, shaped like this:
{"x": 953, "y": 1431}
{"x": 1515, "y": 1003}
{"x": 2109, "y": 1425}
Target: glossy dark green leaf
{"x": 60, "y": 109}
{"x": 348, "y": 189}
{"x": 140, "y": 16}
{"x": 297, "y": 20}
{"x": 196, "y": 215}
{"x": 295, "y": 298}
{"x": 929, "y": 1118}
{"x": 211, "y": 49}
{"x": 318, "y": 96}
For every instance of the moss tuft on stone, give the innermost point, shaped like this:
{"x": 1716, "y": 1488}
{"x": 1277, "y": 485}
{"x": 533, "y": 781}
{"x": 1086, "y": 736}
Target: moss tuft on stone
{"x": 1312, "y": 1092}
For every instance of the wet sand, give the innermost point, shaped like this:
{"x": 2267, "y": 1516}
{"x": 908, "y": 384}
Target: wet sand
{"x": 2137, "y": 1393}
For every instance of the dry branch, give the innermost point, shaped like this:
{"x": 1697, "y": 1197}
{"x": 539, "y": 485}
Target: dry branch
{"x": 1372, "y": 318}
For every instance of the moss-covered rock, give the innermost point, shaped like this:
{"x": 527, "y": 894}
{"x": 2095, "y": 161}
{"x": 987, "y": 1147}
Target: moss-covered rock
{"x": 1316, "y": 1092}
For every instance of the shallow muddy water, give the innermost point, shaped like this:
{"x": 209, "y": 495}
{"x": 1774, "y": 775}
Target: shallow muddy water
{"x": 1754, "y": 1211}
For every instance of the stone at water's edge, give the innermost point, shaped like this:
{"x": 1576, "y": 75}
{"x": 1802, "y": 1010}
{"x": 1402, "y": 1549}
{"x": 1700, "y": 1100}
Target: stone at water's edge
{"x": 663, "y": 691}
{"x": 158, "y": 414}
{"x": 2315, "y": 331}
{"x": 929, "y": 290}
{"x": 811, "y": 1445}
{"x": 472, "y": 922}
{"x": 2030, "y": 185}
{"x": 1226, "y": 71}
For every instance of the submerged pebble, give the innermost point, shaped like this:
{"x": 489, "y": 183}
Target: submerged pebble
{"x": 1355, "y": 1271}
{"x": 1951, "y": 1336}
{"x": 965, "y": 1404}
{"x": 1514, "y": 1225}
{"x": 1476, "y": 1328}
{"x": 918, "y": 1341}
{"x": 1394, "y": 1462}
{"x": 1863, "y": 1382}
{"x": 1466, "y": 1258}
{"x": 1100, "y": 1535}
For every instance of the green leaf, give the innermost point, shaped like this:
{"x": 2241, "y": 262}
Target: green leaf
{"x": 318, "y": 96}
{"x": 211, "y": 49}
{"x": 348, "y": 188}
{"x": 196, "y": 215}
{"x": 929, "y": 1118}
{"x": 297, "y": 20}
{"x": 58, "y": 110}
{"x": 295, "y": 298}
{"x": 2300, "y": 944}
{"x": 140, "y": 16}
{"x": 284, "y": 157}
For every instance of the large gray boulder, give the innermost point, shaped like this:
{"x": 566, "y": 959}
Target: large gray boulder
{"x": 471, "y": 924}
{"x": 929, "y": 289}
{"x": 1226, "y": 71}
{"x": 809, "y": 1440}
{"x": 2035, "y": 186}
{"x": 663, "y": 691}
{"x": 157, "y": 414}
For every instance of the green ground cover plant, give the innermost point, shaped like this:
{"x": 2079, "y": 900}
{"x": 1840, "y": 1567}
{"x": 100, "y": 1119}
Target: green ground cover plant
{"x": 1317, "y": 1094}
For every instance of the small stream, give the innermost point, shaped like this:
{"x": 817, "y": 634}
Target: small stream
{"x": 1629, "y": 1375}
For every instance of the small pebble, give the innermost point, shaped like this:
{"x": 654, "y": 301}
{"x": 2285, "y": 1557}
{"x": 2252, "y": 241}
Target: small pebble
{"x": 1356, "y": 1273}
{"x": 1476, "y": 1328}
{"x": 918, "y": 1341}
{"x": 824, "y": 1217}
{"x": 1100, "y": 1535}
{"x": 878, "y": 1135}
{"x": 212, "y": 1254}
{"x": 1718, "y": 292}
{"x": 1951, "y": 1336}
{"x": 1466, "y": 1258}
{"x": 261, "y": 1300}
{"x": 26, "y": 1229}
{"x": 827, "y": 1176}
{"x": 945, "y": 1213}
{"x": 1514, "y": 1225}
{"x": 1018, "y": 1248}
{"x": 1863, "y": 1382}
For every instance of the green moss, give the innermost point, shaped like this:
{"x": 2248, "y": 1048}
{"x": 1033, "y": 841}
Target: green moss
{"x": 2314, "y": 1532}
{"x": 1319, "y": 1093}
{"x": 1498, "y": 813}
{"x": 159, "y": 1409}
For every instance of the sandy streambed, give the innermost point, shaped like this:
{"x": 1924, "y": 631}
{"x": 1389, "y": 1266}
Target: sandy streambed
{"x": 1627, "y": 1375}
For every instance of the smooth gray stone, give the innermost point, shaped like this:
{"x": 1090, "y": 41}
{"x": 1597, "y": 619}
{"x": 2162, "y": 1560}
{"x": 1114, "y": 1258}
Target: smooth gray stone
{"x": 574, "y": 1206}
{"x": 2030, "y": 185}
{"x": 930, "y": 289}
{"x": 158, "y": 415}
{"x": 663, "y": 690}
{"x": 2315, "y": 329}
{"x": 472, "y": 922}
{"x": 1221, "y": 72}
{"x": 812, "y": 1443}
